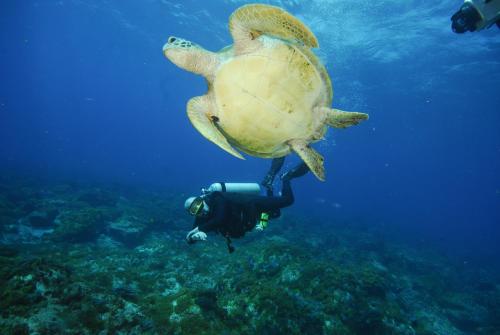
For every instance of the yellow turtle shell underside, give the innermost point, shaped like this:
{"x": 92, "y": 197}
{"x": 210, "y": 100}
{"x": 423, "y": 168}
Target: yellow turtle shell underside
{"x": 267, "y": 98}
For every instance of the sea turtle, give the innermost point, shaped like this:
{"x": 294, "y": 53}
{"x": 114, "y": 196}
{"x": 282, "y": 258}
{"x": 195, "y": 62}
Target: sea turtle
{"x": 268, "y": 94}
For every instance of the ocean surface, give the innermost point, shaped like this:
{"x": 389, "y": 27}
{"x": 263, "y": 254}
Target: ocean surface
{"x": 97, "y": 155}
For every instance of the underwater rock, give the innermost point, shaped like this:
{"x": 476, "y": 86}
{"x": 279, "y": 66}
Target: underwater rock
{"x": 372, "y": 282}
{"x": 47, "y": 320}
{"x": 172, "y": 287}
{"x": 73, "y": 294}
{"x": 126, "y": 292}
{"x": 128, "y": 230}
{"x": 271, "y": 266}
{"x": 9, "y": 213}
{"x": 131, "y": 312}
{"x": 31, "y": 228}
{"x": 207, "y": 300}
{"x": 286, "y": 313}
{"x": 6, "y": 221}
{"x": 28, "y": 207}
{"x": 14, "y": 326}
{"x": 486, "y": 286}
{"x": 39, "y": 219}
{"x": 15, "y": 196}
{"x": 30, "y": 282}
{"x": 83, "y": 225}
{"x": 6, "y": 251}
{"x": 106, "y": 242}
{"x": 98, "y": 197}
{"x": 289, "y": 275}
{"x": 28, "y": 234}
{"x": 463, "y": 312}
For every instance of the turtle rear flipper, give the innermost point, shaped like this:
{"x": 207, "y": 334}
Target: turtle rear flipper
{"x": 340, "y": 119}
{"x": 310, "y": 156}
{"x": 205, "y": 123}
{"x": 250, "y": 21}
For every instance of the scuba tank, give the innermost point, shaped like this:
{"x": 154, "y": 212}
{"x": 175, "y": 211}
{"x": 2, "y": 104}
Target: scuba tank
{"x": 245, "y": 188}
{"x": 242, "y": 188}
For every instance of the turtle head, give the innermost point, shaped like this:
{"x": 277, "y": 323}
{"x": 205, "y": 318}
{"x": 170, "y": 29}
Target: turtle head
{"x": 180, "y": 51}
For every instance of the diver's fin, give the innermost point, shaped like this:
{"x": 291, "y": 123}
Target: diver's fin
{"x": 339, "y": 119}
{"x": 198, "y": 112}
{"x": 310, "y": 156}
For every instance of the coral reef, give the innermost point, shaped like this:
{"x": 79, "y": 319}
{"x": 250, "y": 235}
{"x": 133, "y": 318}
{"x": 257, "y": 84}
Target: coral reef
{"x": 97, "y": 260}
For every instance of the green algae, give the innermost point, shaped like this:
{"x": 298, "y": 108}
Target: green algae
{"x": 181, "y": 314}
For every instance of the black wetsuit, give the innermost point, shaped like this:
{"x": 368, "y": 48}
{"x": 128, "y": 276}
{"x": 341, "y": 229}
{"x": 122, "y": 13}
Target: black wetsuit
{"x": 233, "y": 214}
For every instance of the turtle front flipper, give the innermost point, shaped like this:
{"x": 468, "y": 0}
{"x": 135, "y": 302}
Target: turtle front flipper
{"x": 310, "y": 156}
{"x": 198, "y": 112}
{"x": 340, "y": 119}
{"x": 250, "y": 21}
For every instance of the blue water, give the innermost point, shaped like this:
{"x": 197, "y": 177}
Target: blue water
{"x": 86, "y": 93}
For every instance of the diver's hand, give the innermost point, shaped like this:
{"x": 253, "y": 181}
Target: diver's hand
{"x": 259, "y": 227}
{"x": 196, "y": 235}
{"x": 199, "y": 236}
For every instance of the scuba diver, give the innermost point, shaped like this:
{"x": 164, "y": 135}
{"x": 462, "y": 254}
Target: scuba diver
{"x": 232, "y": 210}
{"x": 475, "y": 15}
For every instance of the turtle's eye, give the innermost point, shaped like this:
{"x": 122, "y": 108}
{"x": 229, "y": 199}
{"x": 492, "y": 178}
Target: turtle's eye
{"x": 172, "y": 39}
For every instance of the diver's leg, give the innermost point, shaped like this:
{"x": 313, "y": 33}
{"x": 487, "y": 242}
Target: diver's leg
{"x": 267, "y": 204}
{"x": 286, "y": 198}
{"x": 298, "y": 171}
{"x": 276, "y": 165}
{"x": 286, "y": 187}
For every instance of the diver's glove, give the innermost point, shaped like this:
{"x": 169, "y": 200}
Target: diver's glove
{"x": 195, "y": 235}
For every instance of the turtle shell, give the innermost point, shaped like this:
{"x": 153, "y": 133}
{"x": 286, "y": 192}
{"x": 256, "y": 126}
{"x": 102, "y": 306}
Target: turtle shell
{"x": 267, "y": 97}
